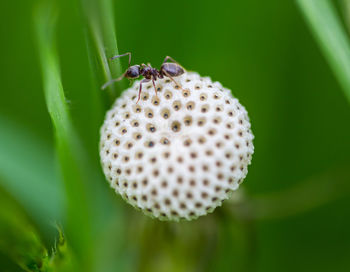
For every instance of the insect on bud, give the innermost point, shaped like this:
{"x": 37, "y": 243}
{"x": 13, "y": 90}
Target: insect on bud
{"x": 180, "y": 153}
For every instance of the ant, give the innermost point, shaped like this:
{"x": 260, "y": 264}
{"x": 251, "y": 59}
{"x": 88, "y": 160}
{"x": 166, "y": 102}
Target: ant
{"x": 169, "y": 69}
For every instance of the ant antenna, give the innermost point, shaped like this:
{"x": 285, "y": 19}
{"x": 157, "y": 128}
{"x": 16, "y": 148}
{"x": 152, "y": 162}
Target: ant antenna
{"x": 122, "y": 76}
{"x": 111, "y": 81}
{"x": 119, "y": 56}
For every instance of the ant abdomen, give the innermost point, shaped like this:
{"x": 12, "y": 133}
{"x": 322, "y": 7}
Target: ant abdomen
{"x": 171, "y": 69}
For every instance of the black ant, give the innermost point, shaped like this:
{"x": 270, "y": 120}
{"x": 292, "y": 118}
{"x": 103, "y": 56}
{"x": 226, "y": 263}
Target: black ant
{"x": 169, "y": 69}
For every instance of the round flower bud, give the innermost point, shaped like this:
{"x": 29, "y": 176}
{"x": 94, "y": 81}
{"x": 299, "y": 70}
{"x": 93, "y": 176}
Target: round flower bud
{"x": 180, "y": 153}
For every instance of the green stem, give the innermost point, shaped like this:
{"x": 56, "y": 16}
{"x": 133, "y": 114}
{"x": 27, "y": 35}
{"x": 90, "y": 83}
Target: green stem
{"x": 331, "y": 36}
{"x": 305, "y": 196}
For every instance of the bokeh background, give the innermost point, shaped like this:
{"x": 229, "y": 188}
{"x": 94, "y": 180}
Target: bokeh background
{"x": 296, "y": 216}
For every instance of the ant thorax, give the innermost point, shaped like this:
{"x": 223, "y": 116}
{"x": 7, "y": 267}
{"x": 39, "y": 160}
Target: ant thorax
{"x": 149, "y": 72}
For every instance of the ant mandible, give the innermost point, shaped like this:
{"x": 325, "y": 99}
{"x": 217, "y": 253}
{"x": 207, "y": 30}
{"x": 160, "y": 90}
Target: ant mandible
{"x": 169, "y": 69}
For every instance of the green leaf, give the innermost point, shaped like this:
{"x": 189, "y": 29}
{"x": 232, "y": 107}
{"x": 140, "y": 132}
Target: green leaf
{"x": 331, "y": 36}
{"x": 71, "y": 155}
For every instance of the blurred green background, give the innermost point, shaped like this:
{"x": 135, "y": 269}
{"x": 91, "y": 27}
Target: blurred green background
{"x": 296, "y": 216}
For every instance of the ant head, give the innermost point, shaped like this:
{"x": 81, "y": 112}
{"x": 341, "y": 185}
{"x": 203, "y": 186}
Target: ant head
{"x": 133, "y": 72}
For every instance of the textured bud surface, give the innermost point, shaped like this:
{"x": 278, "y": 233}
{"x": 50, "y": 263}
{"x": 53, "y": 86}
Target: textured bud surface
{"x": 177, "y": 155}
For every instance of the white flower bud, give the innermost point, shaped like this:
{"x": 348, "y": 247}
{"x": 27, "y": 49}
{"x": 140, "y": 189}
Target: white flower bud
{"x": 177, "y": 155}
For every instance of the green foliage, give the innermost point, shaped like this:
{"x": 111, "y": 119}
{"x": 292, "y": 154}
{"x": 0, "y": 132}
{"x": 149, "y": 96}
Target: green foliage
{"x": 100, "y": 21}
{"x": 332, "y": 37}
{"x": 22, "y": 243}
{"x": 20, "y": 173}
{"x": 79, "y": 173}
{"x": 296, "y": 196}
{"x": 70, "y": 153}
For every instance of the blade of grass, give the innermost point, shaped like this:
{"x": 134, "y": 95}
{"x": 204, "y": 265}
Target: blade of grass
{"x": 346, "y": 11}
{"x": 100, "y": 21}
{"x": 68, "y": 146}
{"x": 33, "y": 182}
{"x": 331, "y": 36}
{"x": 102, "y": 44}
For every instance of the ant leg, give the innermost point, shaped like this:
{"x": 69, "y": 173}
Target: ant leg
{"x": 118, "y": 56}
{"x": 173, "y": 80}
{"x": 140, "y": 90}
{"x": 154, "y": 85}
{"x": 104, "y": 86}
{"x": 170, "y": 58}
